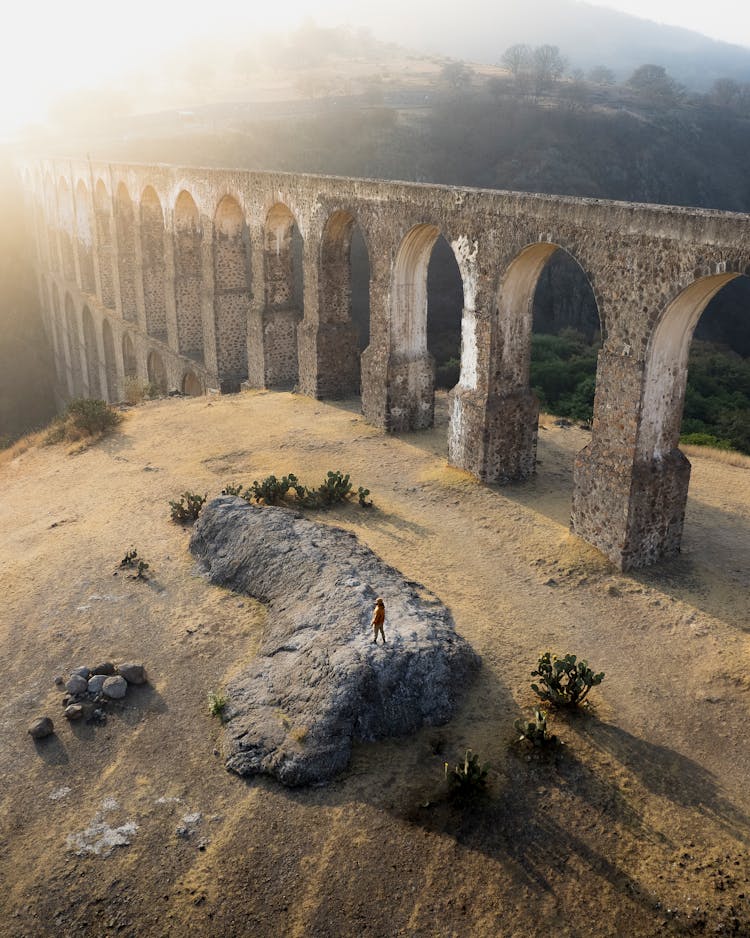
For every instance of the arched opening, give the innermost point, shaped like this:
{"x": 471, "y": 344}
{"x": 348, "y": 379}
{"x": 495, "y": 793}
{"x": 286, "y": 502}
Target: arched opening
{"x": 231, "y": 293}
{"x": 92, "y": 354}
{"x": 153, "y": 264}
{"x": 84, "y": 239}
{"x": 125, "y": 223}
{"x": 157, "y": 373}
{"x": 418, "y": 298}
{"x": 129, "y": 364}
{"x": 188, "y": 240}
{"x": 50, "y": 222}
{"x": 110, "y": 365}
{"x": 344, "y": 306}
{"x": 102, "y": 214}
{"x": 283, "y": 257}
{"x": 192, "y": 384}
{"x": 445, "y": 304}
{"x": 73, "y": 338}
{"x": 566, "y": 338}
{"x": 65, "y": 230}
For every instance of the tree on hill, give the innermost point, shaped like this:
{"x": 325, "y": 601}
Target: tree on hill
{"x": 601, "y": 75}
{"x": 653, "y": 82}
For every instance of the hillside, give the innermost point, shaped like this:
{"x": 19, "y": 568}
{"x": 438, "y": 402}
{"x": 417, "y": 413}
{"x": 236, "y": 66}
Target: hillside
{"x": 638, "y": 825}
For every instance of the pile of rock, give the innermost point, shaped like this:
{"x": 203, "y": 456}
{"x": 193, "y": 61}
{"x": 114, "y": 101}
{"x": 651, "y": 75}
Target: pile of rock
{"x": 89, "y": 690}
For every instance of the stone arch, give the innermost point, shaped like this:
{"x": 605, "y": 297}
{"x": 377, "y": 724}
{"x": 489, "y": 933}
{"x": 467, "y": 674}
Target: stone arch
{"x": 412, "y": 369}
{"x": 62, "y": 365}
{"x": 343, "y": 306}
{"x": 126, "y": 260}
{"x": 665, "y": 375}
{"x": 110, "y": 364}
{"x": 153, "y": 264}
{"x": 129, "y": 362}
{"x": 49, "y": 221}
{"x": 84, "y": 238}
{"x": 192, "y": 384}
{"x": 92, "y": 354}
{"x": 65, "y": 230}
{"x": 282, "y": 262}
{"x": 188, "y": 241}
{"x": 73, "y": 337}
{"x": 231, "y": 293}
{"x": 157, "y": 373}
{"x": 103, "y": 219}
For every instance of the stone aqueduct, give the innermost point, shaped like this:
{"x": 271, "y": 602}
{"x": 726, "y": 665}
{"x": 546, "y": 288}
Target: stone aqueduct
{"x": 185, "y": 277}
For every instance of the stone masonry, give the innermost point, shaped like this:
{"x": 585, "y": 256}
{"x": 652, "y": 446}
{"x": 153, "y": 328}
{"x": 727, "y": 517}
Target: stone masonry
{"x": 215, "y": 278}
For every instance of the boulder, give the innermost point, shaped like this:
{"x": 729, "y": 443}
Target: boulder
{"x": 115, "y": 687}
{"x": 77, "y": 685}
{"x": 41, "y": 728}
{"x": 318, "y": 683}
{"x": 106, "y": 667}
{"x": 133, "y": 673}
{"x": 83, "y": 672}
{"x": 96, "y": 683}
{"x": 73, "y": 712}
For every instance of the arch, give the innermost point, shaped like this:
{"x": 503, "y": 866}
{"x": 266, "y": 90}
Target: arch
{"x": 50, "y": 221}
{"x": 65, "y": 230}
{"x": 103, "y": 219}
{"x": 445, "y": 313}
{"x": 665, "y": 376}
{"x": 188, "y": 241}
{"x": 129, "y": 363}
{"x": 62, "y": 362}
{"x": 343, "y": 307}
{"x": 153, "y": 264}
{"x": 92, "y": 354}
{"x": 282, "y": 261}
{"x": 231, "y": 293}
{"x": 84, "y": 238}
{"x": 126, "y": 263}
{"x": 157, "y": 373}
{"x": 110, "y": 365}
{"x": 192, "y": 384}
{"x": 73, "y": 337}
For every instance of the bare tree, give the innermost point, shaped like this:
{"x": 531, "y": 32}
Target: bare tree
{"x": 548, "y": 66}
{"x": 601, "y": 75}
{"x": 517, "y": 59}
{"x": 652, "y": 81}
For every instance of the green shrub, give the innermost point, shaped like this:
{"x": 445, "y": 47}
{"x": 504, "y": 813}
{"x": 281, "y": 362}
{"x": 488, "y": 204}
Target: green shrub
{"x": 82, "y": 418}
{"x": 335, "y": 488}
{"x": 565, "y": 682}
{"x": 231, "y": 489}
{"x": 271, "y": 490}
{"x": 535, "y": 731}
{"x": 217, "y": 704}
{"x": 362, "y": 496}
{"x": 131, "y": 560}
{"x": 467, "y": 780}
{"x": 705, "y": 439}
{"x": 188, "y": 507}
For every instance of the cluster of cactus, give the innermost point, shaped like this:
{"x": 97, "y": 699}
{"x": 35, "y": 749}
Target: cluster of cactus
{"x": 565, "y": 682}
{"x": 335, "y": 488}
{"x": 467, "y": 779}
{"x": 188, "y": 507}
{"x": 131, "y": 560}
{"x": 535, "y": 731}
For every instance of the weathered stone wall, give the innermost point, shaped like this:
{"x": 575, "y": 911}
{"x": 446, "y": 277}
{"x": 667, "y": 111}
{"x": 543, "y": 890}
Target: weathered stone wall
{"x": 263, "y": 273}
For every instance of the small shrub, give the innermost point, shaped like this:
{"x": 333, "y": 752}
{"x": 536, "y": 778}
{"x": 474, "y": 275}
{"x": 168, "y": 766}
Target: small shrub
{"x": 82, "y": 418}
{"x": 362, "y": 496}
{"x": 140, "y": 573}
{"x": 468, "y": 779}
{"x": 705, "y": 439}
{"x": 217, "y": 704}
{"x": 130, "y": 559}
{"x": 335, "y": 488}
{"x": 535, "y": 731}
{"x": 271, "y": 490}
{"x": 231, "y": 489}
{"x": 565, "y": 682}
{"x": 188, "y": 507}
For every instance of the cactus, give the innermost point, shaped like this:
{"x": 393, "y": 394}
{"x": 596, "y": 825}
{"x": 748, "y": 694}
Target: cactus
{"x": 272, "y": 490}
{"x": 188, "y": 507}
{"x": 362, "y": 496}
{"x": 468, "y": 779}
{"x": 565, "y": 682}
{"x": 231, "y": 489}
{"x": 130, "y": 559}
{"x": 535, "y": 731}
{"x": 335, "y": 488}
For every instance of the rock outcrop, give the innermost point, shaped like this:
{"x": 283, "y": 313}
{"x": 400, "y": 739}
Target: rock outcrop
{"x": 318, "y": 683}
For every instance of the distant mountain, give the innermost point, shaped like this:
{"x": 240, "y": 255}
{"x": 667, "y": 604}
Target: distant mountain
{"x": 480, "y": 30}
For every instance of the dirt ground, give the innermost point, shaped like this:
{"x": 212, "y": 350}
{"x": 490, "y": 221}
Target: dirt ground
{"x": 637, "y": 825}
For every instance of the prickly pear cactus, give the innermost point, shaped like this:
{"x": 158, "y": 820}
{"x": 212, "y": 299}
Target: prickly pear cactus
{"x": 564, "y": 682}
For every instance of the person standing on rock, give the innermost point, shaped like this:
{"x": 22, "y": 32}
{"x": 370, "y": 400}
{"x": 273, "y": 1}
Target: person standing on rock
{"x": 378, "y": 618}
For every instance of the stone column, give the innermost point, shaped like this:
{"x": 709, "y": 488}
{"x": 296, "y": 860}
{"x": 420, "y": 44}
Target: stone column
{"x": 256, "y": 358}
{"x": 375, "y": 358}
{"x": 629, "y": 504}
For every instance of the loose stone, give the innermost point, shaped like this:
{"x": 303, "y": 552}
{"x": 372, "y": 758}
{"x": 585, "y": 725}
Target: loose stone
{"x": 106, "y": 668}
{"x": 83, "y": 671}
{"x": 41, "y": 728}
{"x": 77, "y": 685}
{"x": 115, "y": 687}
{"x": 96, "y": 683}
{"x": 133, "y": 673}
{"x": 74, "y": 712}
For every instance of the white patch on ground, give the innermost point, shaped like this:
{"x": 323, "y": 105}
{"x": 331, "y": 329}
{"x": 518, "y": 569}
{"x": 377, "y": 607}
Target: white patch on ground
{"x": 167, "y": 800}
{"x": 59, "y": 793}
{"x": 191, "y": 819}
{"x": 100, "y": 838}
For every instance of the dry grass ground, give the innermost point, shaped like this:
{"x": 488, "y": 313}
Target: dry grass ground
{"x": 638, "y": 825}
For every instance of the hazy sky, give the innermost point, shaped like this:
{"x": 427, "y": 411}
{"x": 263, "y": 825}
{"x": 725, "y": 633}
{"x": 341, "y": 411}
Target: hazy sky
{"x": 51, "y": 46}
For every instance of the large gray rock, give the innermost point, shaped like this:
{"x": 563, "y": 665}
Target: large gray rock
{"x": 115, "y": 687}
{"x": 132, "y": 672}
{"x": 77, "y": 685}
{"x": 41, "y": 728}
{"x": 318, "y": 683}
